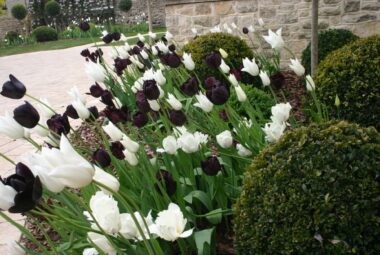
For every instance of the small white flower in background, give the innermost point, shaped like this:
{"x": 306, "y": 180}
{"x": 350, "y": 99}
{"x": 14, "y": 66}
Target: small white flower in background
{"x": 310, "y": 85}
{"x": 144, "y": 55}
{"x": 242, "y": 97}
{"x": 7, "y": 196}
{"x": 96, "y": 71}
{"x": 233, "y": 25}
{"x": 170, "y": 145}
{"x": 174, "y": 102}
{"x": 130, "y": 157}
{"x": 152, "y": 35}
{"x": 130, "y": 230}
{"x": 273, "y": 131}
{"x": 225, "y": 139}
{"x": 106, "y": 179}
{"x": 129, "y": 144}
{"x": 170, "y": 224}
{"x": 261, "y": 22}
{"x": 90, "y": 251}
{"x": 102, "y": 242}
{"x": 162, "y": 47}
{"x": 264, "y": 78}
{"x": 250, "y": 67}
{"x": 113, "y": 132}
{"x": 154, "y": 105}
{"x": 203, "y": 102}
{"x": 223, "y": 53}
{"x": 296, "y": 66}
{"x": 116, "y": 101}
{"x": 43, "y": 110}
{"x": 15, "y": 249}
{"x": 10, "y": 127}
{"x": 81, "y": 109}
{"x": 159, "y": 77}
{"x": 75, "y": 94}
{"x": 251, "y": 29}
{"x": 233, "y": 80}
{"x": 242, "y": 151}
{"x": 106, "y": 212}
{"x": 281, "y": 112}
{"x": 216, "y": 29}
{"x": 169, "y": 36}
{"x": 188, "y": 61}
{"x": 194, "y": 30}
{"x": 141, "y": 37}
{"x": 224, "y": 67}
{"x": 275, "y": 39}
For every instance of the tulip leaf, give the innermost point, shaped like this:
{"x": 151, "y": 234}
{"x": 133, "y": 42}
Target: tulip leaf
{"x": 203, "y": 241}
{"x": 201, "y": 196}
{"x": 215, "y": 216}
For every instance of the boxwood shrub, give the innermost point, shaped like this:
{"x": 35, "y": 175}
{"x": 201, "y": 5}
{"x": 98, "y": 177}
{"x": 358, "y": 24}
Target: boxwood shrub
{"x": 353, "y": 74}
{"x": 328, "y": 41}
{"x": 315, "y": 192}
{"x": 236, "y": 48}
{"x": 45, "y": 33}
{"x": 52, "y": 8}
{"x": 125, "y": 5}
{"x": 19, "y": 11}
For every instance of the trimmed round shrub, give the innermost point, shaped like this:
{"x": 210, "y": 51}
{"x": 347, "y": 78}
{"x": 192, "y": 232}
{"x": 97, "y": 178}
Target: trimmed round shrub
{"x": 315, "y": 192}
{"x": 52, "y": 8}
{"x": 257, "y": 97}
{"x": 328, "y": 41}
{"x": 12, "y": 36}
{"x": 45, "y": 34}
{"x": 353, "y": 74}
{"x": 125, "y": 5}
{"x": 19, "y": 11}
{"x": 236, "y": 48}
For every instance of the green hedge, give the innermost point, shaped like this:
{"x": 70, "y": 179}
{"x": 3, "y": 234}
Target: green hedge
{"x": 315, "y": 192}
{"x": 19, "y": 11}
{"x": 352, "y": 73}
{"x": 45, "y": 34}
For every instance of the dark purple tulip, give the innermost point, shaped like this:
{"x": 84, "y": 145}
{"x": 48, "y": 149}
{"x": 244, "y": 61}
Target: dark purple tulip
{"x": 13, "y": 88}
{"x": 140, "y": 119}
{"x": 171, "y": 59}
{"x": 28, "y": 188}
{"x": 190, "y": 87}
{"x": 277, "y": 80}
{"x": 59, "y": 124}
{"x": 140, "y": 44}
{"x": 219, "y": 94}
{"x": 121, "y": 64}
{"x": 102, "y": 157}
{"x": 96, "y": 91}
{"x": 116, "y": 36}
{"x": 178, "y": 118}
{"x": 117, "y": 150}
{"x": 94, "y": 113}
{"x": 172, "y": 48}
{"x": 117, "y": 115}
{"x": 211, "y": 166}
{"x": 26, "y": 115}
{"x": 107, "y": 38}
{"x": 213, "y": 60}
{"x": 211, "y": 82}
{"x": 84, "y": 26}
{"x": 167, "y": 182}
{"x": 107, "y": 98}
{"x": 71, "y": 112}
{"x": 136, "y": 50}
{"x": 85, "y": 53}
{"x": 245, "y": 30}
{"x": 141, "y": 102}
{"x": 151, "y": 90}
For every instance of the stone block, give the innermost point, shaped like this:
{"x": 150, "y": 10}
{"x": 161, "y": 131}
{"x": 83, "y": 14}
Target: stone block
{"x": 356, "y": 18}
{"x": 188, "y": 10}
{"x": 332, "y": 1}
{"x": 330, "y": 11}
{"x": 351, "y": 6}
{"x": 287, "y": 18}
{"x": 267, "y": 12}
{"x": 203, "y": 9}
{"x": 371, "y": 6}
{"x": 206, "y": 21}
{"x": 223, "y": 8}
{"x": 246, "y": 6}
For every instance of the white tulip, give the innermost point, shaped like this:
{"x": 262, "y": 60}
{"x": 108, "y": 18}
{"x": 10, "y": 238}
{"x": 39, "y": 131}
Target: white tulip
{"x": 250, "y": 67}
{"x": 273, "y": 131}
{"x": 81, "y": 109}
{"x": 96, "y": 71}
{"x": 275, "y": 39}
{"x": 296, "y": 66}
{"x": 216, "y": 29}
{"x": 188, "y": 143}
{"x": 130, "y": 157}
{"x": 101, "y": 242}
{"x": 90, "y": 251}
{"x": 159, "y": 77}
{"x": 225, "y": 139}
{"x": 170, "y": 145}
{"x": 15, "y": 249}
{"x": 194, "y": 30}
{"x": 223, "y": 53}
{"x": 129, "y": 229}
{"x": 141, "y": 37}
{"x": 203, "y": 102}
{"x": 144, "y": 55}
{"x": 105, "y": 212}
{"x": 129, "y": 144}
{"x": 154, "y": 105}
{"x": 162, "y": 47}
{"x": 152, "y": 35}
{"x": 123, "y": 52}
{"x": 242, "y": 97}
{"x": 127, "y": 46}
{"x": 224, "y": 67}
{"x": 310, "y": 85}
{"x": 170, "y": 224}
{"x": 264, "y": 78}
{"x": 281, "y": 112}
{"x": 113, "y": 132}
{"x": 168, "y": 36}
{"x": 7, "y": 196}
{"x": 106, "y": 179}
{"x": 233, "y": 80}
{"x": 174, "y": 102}
{"x": 10, "y": 127}
{"x": 188, "y": 62}
{"x": 148, "y": 75}
{"x": 242, "y": 151}
{"x": 154, "y": 51}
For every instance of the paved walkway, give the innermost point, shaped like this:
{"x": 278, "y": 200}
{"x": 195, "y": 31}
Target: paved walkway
{"x": 47, "y": 74}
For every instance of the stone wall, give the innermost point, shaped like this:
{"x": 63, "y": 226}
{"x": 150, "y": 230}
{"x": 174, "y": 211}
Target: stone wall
{"x": 139, "y": 10}
{"x": 9, "y": 24}
{"x": 294, "y": 16}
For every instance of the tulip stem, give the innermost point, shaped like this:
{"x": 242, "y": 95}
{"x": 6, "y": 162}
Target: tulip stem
{"x": 7, "y": 159}
{"x": 39, "y": 101}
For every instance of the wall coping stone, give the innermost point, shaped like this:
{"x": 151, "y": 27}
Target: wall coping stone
{"x": 180, "y": 2}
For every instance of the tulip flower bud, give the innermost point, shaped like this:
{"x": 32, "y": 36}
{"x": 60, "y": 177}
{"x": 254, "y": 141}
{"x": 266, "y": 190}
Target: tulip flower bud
{"x": 337, "y": 101}
{"x": 140, "y": 119}
{"x": 116, "y": 36}
{"x": 94, "y": 113}
{"x": 172, "y": 48}
{"x": 26, "y": 115}
{"x": 106, "y": 98}
{"x": 84, "y": 26}
{"x": 219, "y": 94}
{"x": 223, "y": 53}
{"x": 190, "y": 87}
{"x": 213, "y": 60}
{"x": 113, "y": 132}
{"x": 310, "y": 85}
{"x": 117, "y": 150}
{"x": 174, "y": 102}
{"x": 71, "y": 112}
{"x": 245, "y": 30}
{"x": 264, "y": 78}
{"x": 224, "y": 67}
{"x": 96, "y": 91}
{"x": 211, "y": 166}
{"x": 141, "y": 44}
{"x": 102, "y": 157}
{"x": 167, "y": 181}
{"x": 141, "y": 102}
{"x": 178, "y": 118}
{"x": 151, "y": 90}
{"x": 13, "y": 88}
{"x": 225, "y": 139}
{"x": 107, "y": 38}
{"x": 59, "y": 124}
{"x": 172, "y": 60}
